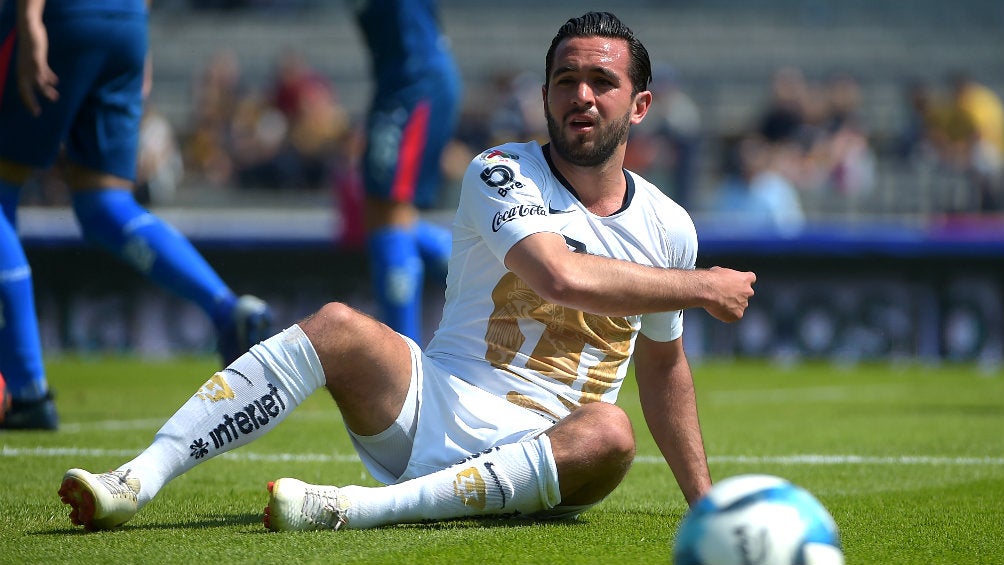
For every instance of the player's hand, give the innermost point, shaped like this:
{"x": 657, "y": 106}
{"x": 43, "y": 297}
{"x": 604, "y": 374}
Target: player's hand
{"x": 731, "y": 293}
{"x": 33, "y": 72}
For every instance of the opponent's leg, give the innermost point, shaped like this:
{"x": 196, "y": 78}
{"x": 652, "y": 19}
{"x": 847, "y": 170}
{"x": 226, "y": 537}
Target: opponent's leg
{"x": 234, "y": 407}
{"x": 434, "y": 243}
{"x": 20, "y": 347}
{"x": 112, "y": 219}
{"x": 398, "y": 273}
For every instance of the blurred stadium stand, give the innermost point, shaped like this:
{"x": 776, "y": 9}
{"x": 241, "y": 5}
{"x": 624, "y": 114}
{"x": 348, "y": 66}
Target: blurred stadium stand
{"x": 889, "y": 274}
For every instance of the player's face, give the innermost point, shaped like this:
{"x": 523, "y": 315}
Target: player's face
{"x": 588, "y": 101}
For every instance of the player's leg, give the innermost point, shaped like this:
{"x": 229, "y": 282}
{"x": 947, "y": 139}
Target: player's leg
{"x": 20, "y": 347}
{"x": 102, "y": 147}
{"x": 510, "y": 479}
{"x": 593, "y": 449}
{"x": 360, "y": 364}
{"x": 533, "y": 476}
{"x": 235, "y": 406}
{"x": 407, "y": 134}
{"x": 391, "y": 164}
{"x": 434, "y": 244}
{"x": 27, "y": 143}
{"x": 442, "y": 93}
{"x": 110, "y": 218}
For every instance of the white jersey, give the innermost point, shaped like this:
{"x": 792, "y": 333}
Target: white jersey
{"x": 499, "y": 335}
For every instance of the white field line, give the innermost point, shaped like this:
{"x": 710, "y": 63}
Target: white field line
{"x": 155, "y": 423}
{"x": 241, "y": 455}
{"x": 806, "y": 460}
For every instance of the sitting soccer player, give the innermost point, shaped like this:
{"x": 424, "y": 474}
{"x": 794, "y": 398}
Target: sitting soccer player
{"x": 565, "y": 268}
{"x": 86, "y": 60}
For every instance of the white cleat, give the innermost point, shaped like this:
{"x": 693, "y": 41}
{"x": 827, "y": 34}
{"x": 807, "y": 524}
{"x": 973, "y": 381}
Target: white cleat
{"x": 294, "y": 505}
{"x": 99, "y": 501}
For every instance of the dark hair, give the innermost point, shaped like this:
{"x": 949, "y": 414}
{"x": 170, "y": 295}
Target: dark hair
{"x": 605, "y": 24}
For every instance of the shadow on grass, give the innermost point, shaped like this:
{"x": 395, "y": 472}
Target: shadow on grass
{"x": 222, "y": 521}
{"x": 249, "y": 519}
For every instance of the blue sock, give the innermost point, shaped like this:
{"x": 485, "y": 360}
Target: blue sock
{"x": 434, "y": 243}
{"x": 20, "y": 345}
{"x": 397, "y": 272}
{"x": 113, "y": 220}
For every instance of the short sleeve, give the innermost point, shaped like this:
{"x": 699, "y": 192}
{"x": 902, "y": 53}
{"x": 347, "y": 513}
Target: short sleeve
{"x": 501, "y": 201}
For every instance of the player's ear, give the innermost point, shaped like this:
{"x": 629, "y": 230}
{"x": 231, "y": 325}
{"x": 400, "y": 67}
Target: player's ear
{"x": 642, "y": 102}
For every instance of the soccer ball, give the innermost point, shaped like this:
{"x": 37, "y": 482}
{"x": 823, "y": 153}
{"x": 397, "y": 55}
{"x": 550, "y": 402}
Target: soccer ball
{"x": 5, "y": 399}
{"x": 759, "y": 519}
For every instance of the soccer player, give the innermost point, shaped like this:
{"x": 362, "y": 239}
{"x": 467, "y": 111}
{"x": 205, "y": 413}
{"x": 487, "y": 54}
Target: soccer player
{"x": 411, "y": 119}
{"x": 72, "y": 77}
{"x": 565, "y": 268}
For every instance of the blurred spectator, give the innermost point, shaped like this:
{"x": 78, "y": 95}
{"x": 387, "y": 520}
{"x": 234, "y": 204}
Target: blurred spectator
{"x": 286, "y": 133}
{"x": 913, "y": 145}
{"x": 159, "y": 164}
{"x": 665, "y": 146}
{"x": 257, "y": 134}
{"x": 759, "y": 190}
{"x": 318, "y": 129}
{"x": 842, "y": 155}
{"x": 292, "y": 79}
{"x": 967, "y": 131}
{"x": 216, "y": 92}
{"x": 824, "y": 117}
{"x": 289, "y": 137}
{"x": 788, "y": 106}
{"x": 518, "y": 114}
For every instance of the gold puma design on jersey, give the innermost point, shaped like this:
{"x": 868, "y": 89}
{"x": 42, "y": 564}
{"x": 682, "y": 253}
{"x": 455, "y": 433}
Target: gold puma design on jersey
{"x": 567, "y": 333}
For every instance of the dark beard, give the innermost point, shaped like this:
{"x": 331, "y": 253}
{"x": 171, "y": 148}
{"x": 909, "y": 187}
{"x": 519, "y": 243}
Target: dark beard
{"x": 610, "y": 137}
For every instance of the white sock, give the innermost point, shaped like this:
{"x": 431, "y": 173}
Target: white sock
{"x": 517, "y": 478}
{"x": 236, "y": 406}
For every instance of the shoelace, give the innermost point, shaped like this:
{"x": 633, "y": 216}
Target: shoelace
{"x": 321, "y": 509}
{"x": 117, "y": 483}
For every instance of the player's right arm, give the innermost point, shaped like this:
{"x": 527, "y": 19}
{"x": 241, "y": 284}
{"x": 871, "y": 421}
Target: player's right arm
{"x": 33, "y": 72}
{"x": 613, "y": 287}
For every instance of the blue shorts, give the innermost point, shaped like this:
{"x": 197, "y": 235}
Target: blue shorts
{"x": 406, "y": 133}
{"x": 99, "y": 60}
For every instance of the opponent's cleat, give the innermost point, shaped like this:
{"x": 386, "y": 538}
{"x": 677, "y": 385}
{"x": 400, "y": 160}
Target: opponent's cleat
{"x": 250, "y": 323}
{"x": 294, "y": 505}
{"x": 31, "y": 414}
{"x": 99, "y": 502}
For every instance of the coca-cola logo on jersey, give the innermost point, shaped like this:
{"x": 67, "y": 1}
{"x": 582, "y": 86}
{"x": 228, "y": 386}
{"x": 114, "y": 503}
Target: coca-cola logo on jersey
{"x": 521, "y": 211}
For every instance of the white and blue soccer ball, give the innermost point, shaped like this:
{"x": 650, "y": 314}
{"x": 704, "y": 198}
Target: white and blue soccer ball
{"x": 757, "y": 519}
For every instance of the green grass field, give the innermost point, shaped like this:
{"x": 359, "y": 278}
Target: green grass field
{"x": 909, "y": 459}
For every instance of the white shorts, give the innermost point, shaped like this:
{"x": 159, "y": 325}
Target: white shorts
{"x": 443, "y": 421}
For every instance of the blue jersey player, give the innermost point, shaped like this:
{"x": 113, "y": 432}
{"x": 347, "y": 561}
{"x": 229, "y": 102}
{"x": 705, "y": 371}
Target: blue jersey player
{"x": 410, "y": 121}
{"x": 72, "y": 79}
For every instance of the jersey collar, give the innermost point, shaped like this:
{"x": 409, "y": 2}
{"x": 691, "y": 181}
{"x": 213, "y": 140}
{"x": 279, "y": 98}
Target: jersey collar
{"x": 629, "y": 180}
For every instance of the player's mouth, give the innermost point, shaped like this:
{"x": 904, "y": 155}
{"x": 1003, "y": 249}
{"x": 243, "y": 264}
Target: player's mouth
{"x": 581, "y": 123}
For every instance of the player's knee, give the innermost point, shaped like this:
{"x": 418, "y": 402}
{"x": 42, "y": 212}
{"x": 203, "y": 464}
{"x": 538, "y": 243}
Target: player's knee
{"x": 328, "y": 318}
{"x": 614, "y": 435}
{"x": 604, "y": 431}
{"x": 593, "y": 453}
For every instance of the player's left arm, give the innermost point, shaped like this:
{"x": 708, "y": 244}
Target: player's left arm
{"x": 669, "y": 403}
